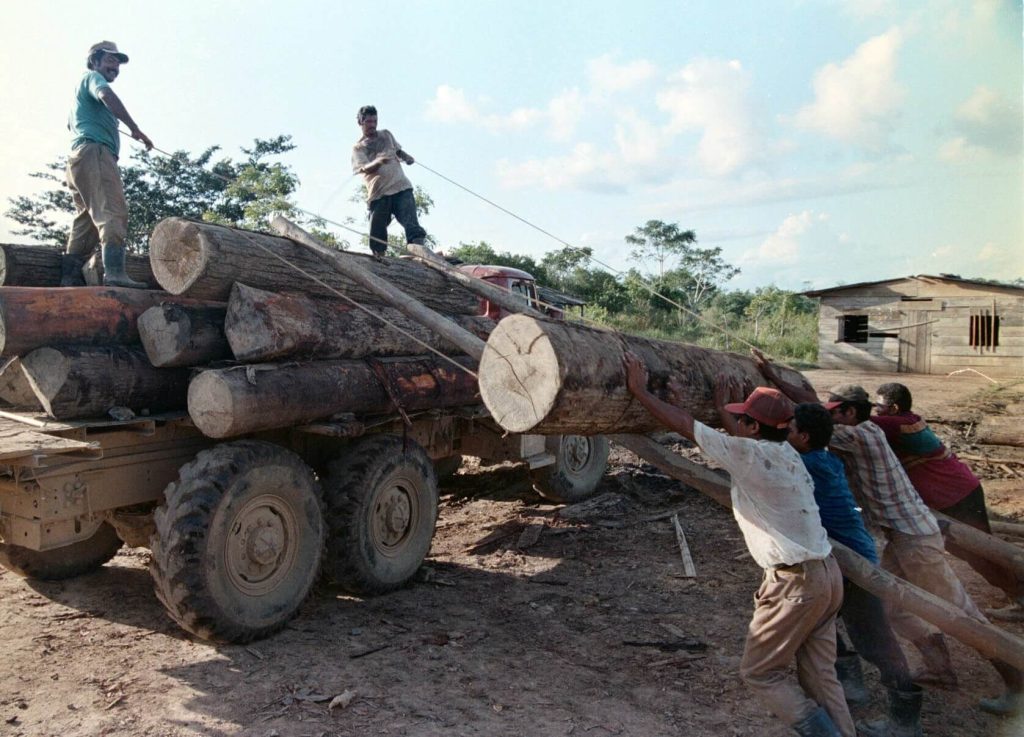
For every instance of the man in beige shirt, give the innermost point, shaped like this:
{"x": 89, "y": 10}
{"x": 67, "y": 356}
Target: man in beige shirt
{"x": 377, "y": 156}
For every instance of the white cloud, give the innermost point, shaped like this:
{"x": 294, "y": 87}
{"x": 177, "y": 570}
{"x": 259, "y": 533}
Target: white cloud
{"x": 988, "y": 120}
{"x": 783, "y": 246}
{"x": 607, "y": 78}
{"x": 566, "y": 110}
{"x": 858, "y": 99}
{"x": 712, "y": 96}
{"x": 450, "y": 105}
{"x": 583, "y": 164}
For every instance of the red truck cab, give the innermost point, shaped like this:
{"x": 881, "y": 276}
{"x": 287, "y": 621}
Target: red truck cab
{"x": 516, "y": 281}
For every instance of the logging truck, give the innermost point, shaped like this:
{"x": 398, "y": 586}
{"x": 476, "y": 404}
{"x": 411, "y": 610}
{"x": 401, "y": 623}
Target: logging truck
{"x": 241, "y": 520}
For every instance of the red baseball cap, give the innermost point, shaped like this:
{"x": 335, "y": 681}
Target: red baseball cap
{"x": 766, "y": 405}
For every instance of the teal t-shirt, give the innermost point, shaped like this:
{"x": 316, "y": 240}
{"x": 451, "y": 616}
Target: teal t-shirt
{"x": 90, "y": 120}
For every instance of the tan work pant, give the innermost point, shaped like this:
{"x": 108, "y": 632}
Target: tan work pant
{"x": 795, "y": 620}
{"x": 98, "y": 193}
{"x": 921, "y": 559}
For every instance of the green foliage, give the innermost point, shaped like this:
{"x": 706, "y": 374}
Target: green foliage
{"x": 242, "y": 194}
{"x": 483, "y": 253}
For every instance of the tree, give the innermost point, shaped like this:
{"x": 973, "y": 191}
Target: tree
{"x": 691, "y": 272}
{"x": 241, "y": 194}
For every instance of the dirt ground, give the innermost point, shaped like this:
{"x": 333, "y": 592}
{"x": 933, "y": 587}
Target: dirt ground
{"x": 528, "y": 619}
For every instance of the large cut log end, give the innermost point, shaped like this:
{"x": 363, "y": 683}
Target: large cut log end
{"x": 179, "y": 253}
{"x": 520, "y": 376}
{"x": 211, "y": 405}
{"x": 46, "y": 370}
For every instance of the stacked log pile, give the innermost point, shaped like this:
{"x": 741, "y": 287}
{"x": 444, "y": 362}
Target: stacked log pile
{"x": 236, "y": 336}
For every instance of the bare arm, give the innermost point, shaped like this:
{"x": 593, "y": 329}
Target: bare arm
{"x": 406, "y": 158}
{"x": 673, "y": 417}
{"x": 109, "y": 98}
{"x": 374, "y": 165}
{"x": 793, "y": 391}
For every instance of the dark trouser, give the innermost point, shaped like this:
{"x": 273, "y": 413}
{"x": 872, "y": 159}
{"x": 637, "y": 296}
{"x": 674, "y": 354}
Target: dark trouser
{"x": 872, "y": 636}
{"x": 402, "y": 206}
{"x": 971, "y": 511}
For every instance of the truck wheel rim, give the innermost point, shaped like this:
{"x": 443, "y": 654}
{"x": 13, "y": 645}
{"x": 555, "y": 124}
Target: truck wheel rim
{"x": 576, "y": 452}
{"x": 261, "y": 546}
{"x": 394, "y": 516}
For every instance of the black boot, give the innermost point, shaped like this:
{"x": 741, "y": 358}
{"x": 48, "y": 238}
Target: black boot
{"x": 851, "y": 676}
{"x": 71, "y": 270}
{"x": 904, "y": 718}
{"x": 817, "y": 724}
{"x": 113, "y": 269}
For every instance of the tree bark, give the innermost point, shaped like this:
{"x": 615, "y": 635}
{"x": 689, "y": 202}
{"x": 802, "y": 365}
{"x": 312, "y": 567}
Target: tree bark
{"x": 228, "y": 402}
{"x": 14, "y": 387}
{"x": 1000, "y": 431}
{"x": 263, "y": 326}
{"x": 385, "y": 291}
{"x": 177, "y": 335}
{"x": 32, "y": 317}
{"x": 550, "y": 377}
{"x": 203, "y": 260}
{"x": 1005, "y": 555}
{"x": 39, "y": 266}
{"x": 76, "y": 382}
{"x": 985, "y": 638}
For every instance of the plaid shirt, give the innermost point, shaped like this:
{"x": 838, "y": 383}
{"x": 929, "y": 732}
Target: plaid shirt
{"x": 878, "y": 480}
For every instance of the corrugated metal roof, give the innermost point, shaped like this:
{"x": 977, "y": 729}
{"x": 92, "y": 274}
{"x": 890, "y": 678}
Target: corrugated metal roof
{"x": 949, "y": 278}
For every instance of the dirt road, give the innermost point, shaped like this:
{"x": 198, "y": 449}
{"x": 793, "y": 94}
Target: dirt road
{"x": 528, "y": 619}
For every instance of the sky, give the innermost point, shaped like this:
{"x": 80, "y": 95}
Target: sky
{"x": 816, "y": 142}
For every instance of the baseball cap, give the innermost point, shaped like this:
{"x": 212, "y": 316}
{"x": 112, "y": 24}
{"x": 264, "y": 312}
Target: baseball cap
{"x": 766, "y": 405}
{"x": 111, "y": 48}
{"x": 845, "y": 393}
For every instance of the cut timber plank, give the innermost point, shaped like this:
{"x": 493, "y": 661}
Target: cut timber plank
{"x": 18, "y": 441}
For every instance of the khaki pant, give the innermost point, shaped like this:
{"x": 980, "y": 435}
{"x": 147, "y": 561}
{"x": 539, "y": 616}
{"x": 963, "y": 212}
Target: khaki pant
{"x": 921, "y": 560}
{"x": 795, "y": 621}
{"x": 98, "y": 193}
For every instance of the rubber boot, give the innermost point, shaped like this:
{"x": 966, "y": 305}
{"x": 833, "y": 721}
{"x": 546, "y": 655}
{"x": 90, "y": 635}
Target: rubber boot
{"x": 71, "y": 270}
{"x": 904, "y": 718}
{"x": 1011, "y": 703}
{"x": 938, "y": 668}
{"x": 817, "y": 724}
{"x": 113, "y": 269}
{"x": 851, "y": 676}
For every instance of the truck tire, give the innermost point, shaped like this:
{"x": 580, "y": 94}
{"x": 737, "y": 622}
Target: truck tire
{"x": 239, "y": 540}
{"x": 580, "y": 463}
{"x": 381, "y": 502}
{"x": 62, "y": 563}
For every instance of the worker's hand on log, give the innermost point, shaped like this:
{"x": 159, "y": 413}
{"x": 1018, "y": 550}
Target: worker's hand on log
{"x": 636, "y": 373}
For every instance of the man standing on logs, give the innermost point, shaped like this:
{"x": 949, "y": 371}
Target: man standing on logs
{"x": 773, "y": 502}
{"x": 376, "y": 156}
{"x": 92, "y": 173}
{"x": 914, "y": 548}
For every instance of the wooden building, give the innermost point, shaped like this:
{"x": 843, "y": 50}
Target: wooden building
{"x": 922, "y": 324}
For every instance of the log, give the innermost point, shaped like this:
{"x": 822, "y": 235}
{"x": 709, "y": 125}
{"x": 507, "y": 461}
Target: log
{"x": 180, "y": 335}
{"x": 973, "y": 540}
{"x": 76, "y": 382}
{"x": 203, "y": 260}
{"x": 1007, "y": 528}
{"x": 32, "y": 317}
{"x": 14, "y": 387}
{"x": 1000, "y": 431}
{"x": 228, "y": 402}
{"x": 39, "y": 266}
{"x": 263, "y": 326}
{"x": 384, "y": 290}
{"x": 549, "y": 377}
{"x": 985, "y": 638}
